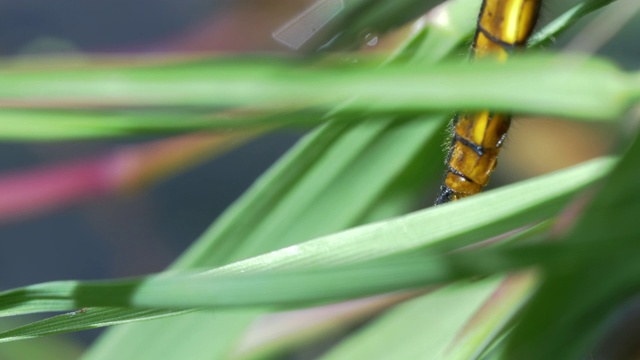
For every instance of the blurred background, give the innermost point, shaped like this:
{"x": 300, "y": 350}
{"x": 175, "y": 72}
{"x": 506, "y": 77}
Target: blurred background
{"x": 143, "y": 231}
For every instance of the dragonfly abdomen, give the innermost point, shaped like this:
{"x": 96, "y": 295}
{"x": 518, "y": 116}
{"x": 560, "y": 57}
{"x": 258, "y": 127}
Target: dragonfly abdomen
{"x": 473, "y": 153}
{"x": 477, "y": 137}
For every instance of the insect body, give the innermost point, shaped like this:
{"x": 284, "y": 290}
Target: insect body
{"x": 477, "y": 137}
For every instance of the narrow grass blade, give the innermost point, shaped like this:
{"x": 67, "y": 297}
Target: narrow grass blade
{"x": 434, "y": 230}
{"x": 523, "y": 85}
{"x": 280, "y": 333}
{"x": 418, "y": 328}
{"x": 547, "y": 34}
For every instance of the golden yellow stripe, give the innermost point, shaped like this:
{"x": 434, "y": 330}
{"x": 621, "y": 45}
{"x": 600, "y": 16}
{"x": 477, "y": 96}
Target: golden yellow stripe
{"x": 504, "y": 23}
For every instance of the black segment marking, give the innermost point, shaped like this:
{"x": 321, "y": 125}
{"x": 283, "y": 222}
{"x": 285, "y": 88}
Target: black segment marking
{"x": 507, "y": 46}
{"x": 458, "y": 173}
{"x": 478, "y": 149}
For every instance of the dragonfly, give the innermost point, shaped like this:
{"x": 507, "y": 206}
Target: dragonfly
{"x": 477, "y": 137}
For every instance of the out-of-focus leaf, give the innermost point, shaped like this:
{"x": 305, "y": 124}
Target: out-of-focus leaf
{"x": 418, "y": 329}
{"x": 282, "y": 332}
{"x": 581, "y": 292}
{"x": 528, "y": 84}
{"x": 29, "y": 192}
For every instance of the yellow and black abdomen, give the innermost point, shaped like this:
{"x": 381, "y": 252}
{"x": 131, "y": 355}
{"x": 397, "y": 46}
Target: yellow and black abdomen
{"x": 477, "y": 137}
